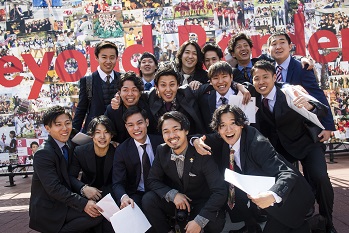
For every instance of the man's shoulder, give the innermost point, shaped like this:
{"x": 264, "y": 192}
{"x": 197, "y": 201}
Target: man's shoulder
{"x": 125, "y": 145}
{"x": 84, "y": 148}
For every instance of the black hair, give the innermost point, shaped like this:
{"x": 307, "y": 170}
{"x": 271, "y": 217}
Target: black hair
{"x": 240, "y": 117}
{"x": 177, "y": 116}
{"x": 146, "y": 55}
{"x": 212, "y": 47}
{"x": 52, "y": 113}
{"x": 181, "y": 50}
{"x": 104, "y": 45}
{"x": 220, "y": 67}
{"x": 264, "y": 65}
{"x": 234, "y": 40}
{"x": 279, "y": 33}
{"x": 134, "y": 110}
{"x": 131, "y": 76}
{"x": 34, "y": 143}
{"x": 164, "y": 70}
{"x": 103, "y": 120}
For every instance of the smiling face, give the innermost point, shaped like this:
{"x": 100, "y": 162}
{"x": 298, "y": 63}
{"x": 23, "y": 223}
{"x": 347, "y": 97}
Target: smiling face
{"x": 242, "y": 52}
{"x": 221, "y": 82}
{"x": 101, "y": 137}
{"x": 279, "y": 48}
{"x": 147, "y": 66}
{"x": 107, "y": 59}
{"x": 136, "y": 127}
{"x": 228, "y": 130}
{"x": 167, "y": 87}
{"x": 263, "y": 81}
{"x": 174, "y": 136}
{"x": 210, "y": 58}
{"x": 129, "y": 93}
{"x": 61, "y": 128}
{"x": 189, "y": 59}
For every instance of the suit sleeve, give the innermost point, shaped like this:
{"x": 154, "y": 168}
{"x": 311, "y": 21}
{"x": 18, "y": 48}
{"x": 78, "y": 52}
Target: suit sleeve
{"x": 74, "y": 170}
{"x": 82, "y": 107}
{"x": 157, "y": 175}
{"x": 119, "y": 174}
{"x": 46, "y": 169}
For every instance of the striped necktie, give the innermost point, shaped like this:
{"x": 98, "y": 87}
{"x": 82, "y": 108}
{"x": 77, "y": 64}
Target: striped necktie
{"x": 279, "y": 74}
{"x": 231, "y": 195}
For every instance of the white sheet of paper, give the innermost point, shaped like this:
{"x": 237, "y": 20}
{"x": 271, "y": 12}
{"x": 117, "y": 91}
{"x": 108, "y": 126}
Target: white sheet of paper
{"x": 81, "y": 138}
{"x": 249, "y": 109}
{"x": 289, "y": 93}
{"x": 251, "y": 185}
{"x": 130, "y": 220}
{"x": 108, "y": 206}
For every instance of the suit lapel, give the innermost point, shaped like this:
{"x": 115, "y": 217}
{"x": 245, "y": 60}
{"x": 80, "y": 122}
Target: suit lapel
{"x": 188, "y": 162}
{"x": 97, "y": 84}
{"x": 134, "y": 156}
{"x": 62, "y": 163}
{"x": 225, "y": 155}
{"x": 108, "y": 163}
{"x": 261, "y": 111}
{"x": 212, "y": 102}
{"x": 290, "y": 71}
{"x": 243, "y": 151}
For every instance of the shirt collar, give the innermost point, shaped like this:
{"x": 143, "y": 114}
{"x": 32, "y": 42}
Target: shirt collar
{"x": 183, "y": 153}
{"x": 285, "y": 64}
{"x": 103, "y": 75}
{"x": 271, "y": 95}
{"x": 138, "y": 144}
{"x": 248, "y": 66}
{"x": 60, "y": 144}
{"x": 152, "y": 82}
{"x": 229, "y": 93}
{"x": 236, "y": 146}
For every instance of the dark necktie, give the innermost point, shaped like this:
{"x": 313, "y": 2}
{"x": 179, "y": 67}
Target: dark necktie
{"x": 168, "y": 106}
{"x": 145, "y": 163}
{"x": 247, "y": 78}
{"x": 224, "y": 100}
{"x": 108, "y": 79}
{"x": 279, "y": 74}
{"x": 65, "y": 150}
{"x": 147, "y": 86}
{"x": 266, "y": 106}
{"x": 231, "y": 194}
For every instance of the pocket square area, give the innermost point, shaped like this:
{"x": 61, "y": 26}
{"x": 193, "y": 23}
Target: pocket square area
{"x": 191, "y": 174}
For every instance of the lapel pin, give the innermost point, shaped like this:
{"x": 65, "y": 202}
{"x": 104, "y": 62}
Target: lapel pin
{"x": 191, "y": 160}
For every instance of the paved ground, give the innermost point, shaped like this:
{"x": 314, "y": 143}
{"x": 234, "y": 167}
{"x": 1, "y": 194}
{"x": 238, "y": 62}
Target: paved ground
{"x": 14, "y": 200}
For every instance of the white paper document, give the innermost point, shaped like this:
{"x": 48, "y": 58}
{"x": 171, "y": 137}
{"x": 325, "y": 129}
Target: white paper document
{"x": 251, "y": 185}
{"x": 290, "y": 96}
{"x": 81, "y": 138}
{"x": 130, "y": 220}
{"x": 108, "y": 206}
{"x": 249, "y": 109}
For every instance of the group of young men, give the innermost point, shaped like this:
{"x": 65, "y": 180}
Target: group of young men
{"x": 178, "y": 179}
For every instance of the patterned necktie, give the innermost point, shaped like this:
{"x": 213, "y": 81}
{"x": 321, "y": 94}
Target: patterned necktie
{"x": 174, "y": 157}
{"x": 145, "y": 163}
{"x": 65, "y": 150}
{"x": 185, "y": 79}
{"x": 279, "y": 74}
{"x": 231, "y": 195}
{"x": 247, "y": 78}
{"x": 168, "y": 106}
{"x": 108, "y": 79}
{"x": 266, "y": 104}
{"x": 224, "y": 100}
{"x": 147, "y": 86}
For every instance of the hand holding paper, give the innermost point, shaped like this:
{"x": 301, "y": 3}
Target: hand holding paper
{"x": 109, "y": 206}
{"x": 249, "y": 109}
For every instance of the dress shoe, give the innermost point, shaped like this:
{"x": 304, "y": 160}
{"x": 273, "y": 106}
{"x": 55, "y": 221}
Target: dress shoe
{"x": 331, "y": 229}
{"x": 310, "y": 212}
{"x": 317, "y": 224}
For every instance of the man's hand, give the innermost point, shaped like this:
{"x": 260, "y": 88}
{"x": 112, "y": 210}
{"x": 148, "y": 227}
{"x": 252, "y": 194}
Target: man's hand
{"x": 125, "y": 201}
{"x": 92, "y": 209}
{"x": 201, "y": 147}
{"x": 92, "y": 193}
{"x": 115, "y": 144}
{"x": 181, "y": 202}
{"x": 192, "y": 227}
{"x": 263, "y": 200}
{"x": 301, "y": 101}
{"x": 116, "y": 101}
{"x": 325, "y": 134}
{"x": 245, "y": 93}
{"x": 307, "y": 61}
{"x": 194, "y": 85}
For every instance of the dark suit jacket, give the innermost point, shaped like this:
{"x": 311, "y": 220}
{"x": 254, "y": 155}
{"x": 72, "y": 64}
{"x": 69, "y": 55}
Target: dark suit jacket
{"x": 286, "y": 130}
{"x": 97, "y": 103}
{"x": 51, "y": 190}
{"x": 258, "y": 157}
{"x": 115, "y": 115}
{"x": 207, "y": 187}
{"x": 306, "y": 78}
{"x": 199, "y": 75}
{"x": 84, "y": 159}
{"x": 187, "y": 105}
{"x": 127, "y": 166}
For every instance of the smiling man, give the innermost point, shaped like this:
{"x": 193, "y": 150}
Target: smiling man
{"x": 181, "y": 179}
{"x": 133, "y": 158}
{"x": 147, "y": 67}
{"x": 54, "y": 206}
{"x": 103, "y": 84}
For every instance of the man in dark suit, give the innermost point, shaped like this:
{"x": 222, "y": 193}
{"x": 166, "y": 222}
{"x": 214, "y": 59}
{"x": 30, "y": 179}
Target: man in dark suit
{"x": 53, "y": 206}
{"x": 130, "y": 163}
{"x": 181, "y": 179}
{"x": 286, "y": 130}
{"x": 244, "y": 149}
{"x": 95, "y": 160}
{"x": 104, "y": 86}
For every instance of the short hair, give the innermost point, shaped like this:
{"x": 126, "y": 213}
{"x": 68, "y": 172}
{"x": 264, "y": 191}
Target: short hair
{"x": 103, "y": 120}
{"x": 279, "y": 33}
{"x": 13, "y": 133}
{"x": 181, "y": 52}
{"x": 51, "y": 114}
{"x": 221, "y": 67}
{"x": 212, "y": 47}
{"x": 240, "y": 117}
{"x": 234, "y": 40}
{"x": 104, "y": 45}
{"x": 131, "y": 76}
{"x": 134, "y": 110}
{"x": 264, "y": 65}
{"x": 34, "y": 143}
{"x": 177, "y": 116}
{"x": 146, "y": 55}
{"x": 166, "y": 69}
